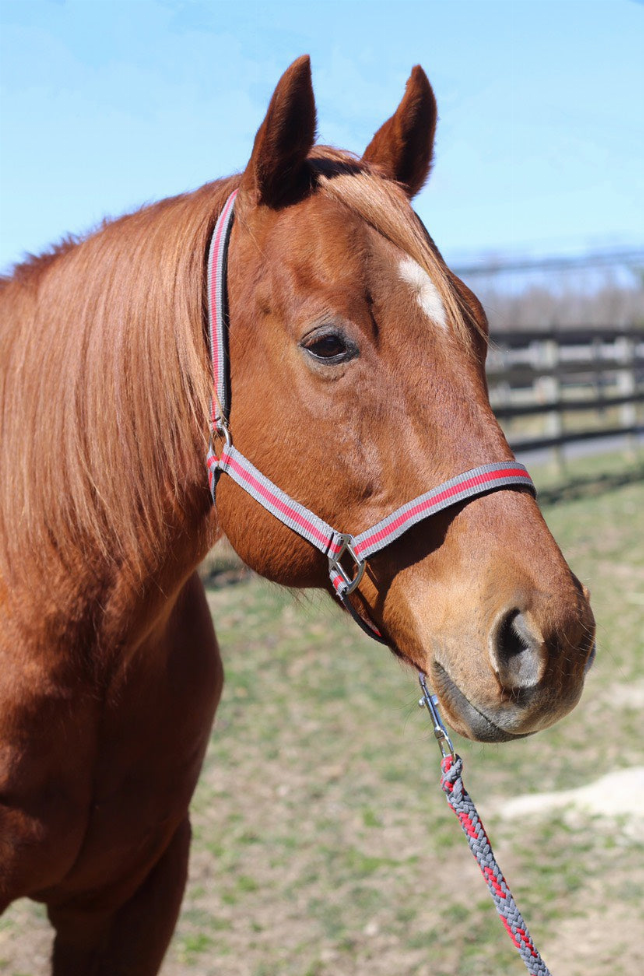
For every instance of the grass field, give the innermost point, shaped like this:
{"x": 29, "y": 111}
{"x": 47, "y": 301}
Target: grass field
{"x": 323, "y": 845}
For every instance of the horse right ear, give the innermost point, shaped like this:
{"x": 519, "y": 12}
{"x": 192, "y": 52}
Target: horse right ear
{"x": 403, "y": 147}
{"x": 277, "y": 166}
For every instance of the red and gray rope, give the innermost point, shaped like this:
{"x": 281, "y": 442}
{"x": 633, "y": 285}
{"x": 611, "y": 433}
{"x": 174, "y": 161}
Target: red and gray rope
{"x": 461, "y": 803}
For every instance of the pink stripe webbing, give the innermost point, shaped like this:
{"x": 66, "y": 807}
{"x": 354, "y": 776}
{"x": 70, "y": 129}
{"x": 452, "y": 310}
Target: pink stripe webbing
{"x": 217, "y": 254}
{"x": 464, "y": 486}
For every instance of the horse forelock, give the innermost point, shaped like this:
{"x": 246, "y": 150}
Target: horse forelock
{"x": 385, "y": 207}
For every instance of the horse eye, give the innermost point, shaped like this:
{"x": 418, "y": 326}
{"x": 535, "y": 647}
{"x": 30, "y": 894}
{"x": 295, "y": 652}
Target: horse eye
{"x": 331, "y": 347}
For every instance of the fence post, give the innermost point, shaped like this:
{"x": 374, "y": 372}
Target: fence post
{"x": 548, "y": 391}
{"x": 596, "y": 354}
{"x": 626, "y": 385}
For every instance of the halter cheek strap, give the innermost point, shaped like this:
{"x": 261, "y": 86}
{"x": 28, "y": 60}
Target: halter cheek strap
{"x": 347, "y": 554}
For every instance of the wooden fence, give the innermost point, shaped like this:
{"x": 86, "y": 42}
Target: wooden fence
{"x": 550, "y": 388}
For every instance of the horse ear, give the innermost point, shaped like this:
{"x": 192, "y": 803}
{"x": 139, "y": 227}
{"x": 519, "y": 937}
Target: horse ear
{"x": 404, "y": 146}
{"x": 286, "y": 136}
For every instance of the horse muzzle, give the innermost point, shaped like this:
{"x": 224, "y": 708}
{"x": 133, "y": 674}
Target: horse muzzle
{"x": 498, "y": 713}
{"x": 468, "y": 719}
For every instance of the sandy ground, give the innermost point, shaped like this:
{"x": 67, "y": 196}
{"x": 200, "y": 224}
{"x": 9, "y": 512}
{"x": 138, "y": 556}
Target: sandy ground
{"x": 618, "y": 796}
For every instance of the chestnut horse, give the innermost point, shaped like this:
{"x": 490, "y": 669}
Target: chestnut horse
{"x": 357, "y": 379}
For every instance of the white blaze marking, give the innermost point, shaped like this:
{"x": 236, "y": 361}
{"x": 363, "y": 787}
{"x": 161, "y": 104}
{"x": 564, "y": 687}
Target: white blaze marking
{"x": 427, "y": 294}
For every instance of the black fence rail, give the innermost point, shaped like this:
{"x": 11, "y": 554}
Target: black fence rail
{"x": 551, "y": 387}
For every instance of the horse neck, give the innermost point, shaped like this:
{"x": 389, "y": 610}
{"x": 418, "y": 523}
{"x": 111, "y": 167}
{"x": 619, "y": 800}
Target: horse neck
{"x": 108, "y": 334}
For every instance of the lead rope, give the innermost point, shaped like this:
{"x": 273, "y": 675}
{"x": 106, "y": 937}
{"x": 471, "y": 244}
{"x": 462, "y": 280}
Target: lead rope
{"x": 463, "y": 806}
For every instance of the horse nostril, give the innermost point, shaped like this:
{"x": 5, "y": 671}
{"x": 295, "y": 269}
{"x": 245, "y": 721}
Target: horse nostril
{"x": 517, "y": 652}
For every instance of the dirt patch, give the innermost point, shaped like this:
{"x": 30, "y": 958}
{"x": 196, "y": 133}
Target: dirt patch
{"x": 618, "y": 795}
{"x": 593, "y": 943}
{"x": 629, "y": 695}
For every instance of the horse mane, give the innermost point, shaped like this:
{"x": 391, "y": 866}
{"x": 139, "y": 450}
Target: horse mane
{"x": 35, "y": 263}
{"x": 105, "y": 386}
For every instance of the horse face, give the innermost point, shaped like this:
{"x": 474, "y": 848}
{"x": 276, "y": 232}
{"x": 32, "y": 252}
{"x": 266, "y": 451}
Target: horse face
{"x": 357, "y": 376}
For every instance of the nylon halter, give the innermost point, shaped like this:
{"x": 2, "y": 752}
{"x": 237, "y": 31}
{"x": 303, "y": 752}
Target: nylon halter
{"x": 339, "y": 547}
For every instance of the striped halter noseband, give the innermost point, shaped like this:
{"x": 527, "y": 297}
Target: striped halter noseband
{"x": 347, "y": 554}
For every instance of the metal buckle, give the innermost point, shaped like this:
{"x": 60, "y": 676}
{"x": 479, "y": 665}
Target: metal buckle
{"x": 430, "y": 702}
{"x": 334, "y": 563}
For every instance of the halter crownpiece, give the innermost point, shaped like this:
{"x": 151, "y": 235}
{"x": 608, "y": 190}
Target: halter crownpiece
{"x": 339, "y": 547}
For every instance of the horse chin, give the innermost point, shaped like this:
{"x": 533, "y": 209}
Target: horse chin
{"x": 464, "y": 717}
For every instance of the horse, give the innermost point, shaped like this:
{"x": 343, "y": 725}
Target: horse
{"x": 357, "y": 380}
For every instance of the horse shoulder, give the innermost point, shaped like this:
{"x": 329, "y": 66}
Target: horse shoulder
{"x": 96, "y": 802}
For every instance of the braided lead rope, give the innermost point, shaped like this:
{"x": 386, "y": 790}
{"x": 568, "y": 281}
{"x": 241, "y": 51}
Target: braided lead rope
{"x": 463, "y": 806}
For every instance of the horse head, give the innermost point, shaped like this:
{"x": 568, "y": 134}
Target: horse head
{"x": 357, "y": 376}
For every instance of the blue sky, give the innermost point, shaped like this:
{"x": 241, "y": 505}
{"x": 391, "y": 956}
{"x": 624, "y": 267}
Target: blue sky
{"x": 107, "y": 104}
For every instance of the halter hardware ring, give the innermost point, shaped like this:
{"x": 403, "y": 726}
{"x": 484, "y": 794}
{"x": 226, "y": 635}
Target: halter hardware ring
{"x": 360, "y": 564}
{"x": 219, "y": 428}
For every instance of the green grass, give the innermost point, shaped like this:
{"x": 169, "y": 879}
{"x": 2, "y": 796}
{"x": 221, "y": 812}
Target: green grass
{"x": 323, "y": 845}
{"x": 319, "y": 748}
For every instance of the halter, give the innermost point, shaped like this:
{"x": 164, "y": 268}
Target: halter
{"x": 347, "y": 554}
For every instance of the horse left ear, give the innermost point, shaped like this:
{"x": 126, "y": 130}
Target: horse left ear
{"x": 277, "y": 167}
{"x": 404, "y": 146}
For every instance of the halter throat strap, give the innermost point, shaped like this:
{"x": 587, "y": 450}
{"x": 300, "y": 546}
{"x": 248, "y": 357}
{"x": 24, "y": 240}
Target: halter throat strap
{"x": 347, "y": 554}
